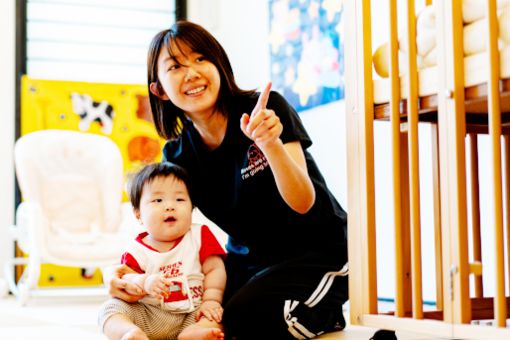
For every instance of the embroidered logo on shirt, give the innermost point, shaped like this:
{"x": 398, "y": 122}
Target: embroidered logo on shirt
{"x": 172, "y": 270}
{"x": 256, "y": 162}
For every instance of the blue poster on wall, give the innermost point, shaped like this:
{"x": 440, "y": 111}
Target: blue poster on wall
{"x": 306, "y": 44}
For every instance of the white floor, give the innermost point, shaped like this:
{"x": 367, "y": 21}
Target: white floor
{"x": 75, "y": 319}
{"x": 55, "y": 318}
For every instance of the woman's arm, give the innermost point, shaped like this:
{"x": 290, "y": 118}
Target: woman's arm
{"x": 287, "y": 161}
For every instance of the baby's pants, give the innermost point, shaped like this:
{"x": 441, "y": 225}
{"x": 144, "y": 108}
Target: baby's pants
{"x": 155, "y": 322}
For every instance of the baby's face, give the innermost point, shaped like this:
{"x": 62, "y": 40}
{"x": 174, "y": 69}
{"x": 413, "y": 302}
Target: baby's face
{"x": 165, "y": 209}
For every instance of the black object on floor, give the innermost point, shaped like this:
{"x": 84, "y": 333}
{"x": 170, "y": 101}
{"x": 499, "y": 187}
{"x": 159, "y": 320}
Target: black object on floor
{"x": 384, "y": 334}
{"x": 340, "y": 324}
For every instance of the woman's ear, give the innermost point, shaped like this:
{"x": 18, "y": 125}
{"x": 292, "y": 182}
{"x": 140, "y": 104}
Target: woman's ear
{"x": 158, "y": 91}
{"x": 136, "y": 212}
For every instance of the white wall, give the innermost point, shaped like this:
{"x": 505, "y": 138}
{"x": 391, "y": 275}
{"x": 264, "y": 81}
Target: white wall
{"x": 326, "y": 126}
{"x": 7, "y": 115}
{"x": 241, "y": 26}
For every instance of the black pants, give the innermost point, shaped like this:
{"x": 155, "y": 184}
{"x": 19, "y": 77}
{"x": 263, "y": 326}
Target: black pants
{"x": 260, "y": 302}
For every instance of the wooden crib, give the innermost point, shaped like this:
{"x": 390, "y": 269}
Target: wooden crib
{"x": 458, "y": 114}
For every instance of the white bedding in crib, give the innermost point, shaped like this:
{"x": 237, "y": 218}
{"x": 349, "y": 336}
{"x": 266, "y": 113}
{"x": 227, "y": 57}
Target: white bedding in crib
{"x": 474, "y": 34}
{"x": 476, "y": 71}
{"x": 473, "y": 10}
{"x": 475, "y": 60}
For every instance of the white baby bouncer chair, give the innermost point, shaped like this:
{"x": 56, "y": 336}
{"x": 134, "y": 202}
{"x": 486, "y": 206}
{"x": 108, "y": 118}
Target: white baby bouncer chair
{"x": 72, "y": 212}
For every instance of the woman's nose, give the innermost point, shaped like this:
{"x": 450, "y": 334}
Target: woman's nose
{"x": 192, "y": 73}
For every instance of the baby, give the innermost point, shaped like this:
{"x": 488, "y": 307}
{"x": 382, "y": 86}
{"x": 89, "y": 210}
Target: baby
{"x": 179, "y": 265}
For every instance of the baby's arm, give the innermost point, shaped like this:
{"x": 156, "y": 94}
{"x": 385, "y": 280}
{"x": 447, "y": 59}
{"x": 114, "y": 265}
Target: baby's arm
{"x": 136, "y": 279}
{"x": 154, "y": 284}
{"x": 214, "y": 285}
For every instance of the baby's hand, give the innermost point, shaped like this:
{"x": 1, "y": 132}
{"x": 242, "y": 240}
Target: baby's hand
{"x": 156, "y": 285}
{"x": 211, "y": 309}
{"x": 134, "y": 290}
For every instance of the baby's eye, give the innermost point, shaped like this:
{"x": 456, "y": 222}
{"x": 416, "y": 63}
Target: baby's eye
{"x": 181, "y": 200}
{"x": 157, "y": 200}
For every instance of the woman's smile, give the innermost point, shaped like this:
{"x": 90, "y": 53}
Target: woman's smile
{"x": 196, "y": 90}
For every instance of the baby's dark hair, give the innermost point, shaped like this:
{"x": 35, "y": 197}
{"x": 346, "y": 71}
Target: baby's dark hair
{"x": 145, "y": 176}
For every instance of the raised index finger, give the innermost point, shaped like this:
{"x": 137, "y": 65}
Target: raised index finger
{"x": 263, "y": 98}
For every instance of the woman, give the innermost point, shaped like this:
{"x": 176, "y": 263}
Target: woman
{"x": 253, "y": 176}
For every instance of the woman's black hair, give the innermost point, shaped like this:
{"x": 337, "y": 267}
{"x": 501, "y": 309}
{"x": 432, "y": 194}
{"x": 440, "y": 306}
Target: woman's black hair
{"x": 167, "y": 117}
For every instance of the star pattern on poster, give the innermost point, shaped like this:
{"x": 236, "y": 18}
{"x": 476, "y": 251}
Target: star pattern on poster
{"x": 332, "y": 7}
{"x": 307, "y": 51}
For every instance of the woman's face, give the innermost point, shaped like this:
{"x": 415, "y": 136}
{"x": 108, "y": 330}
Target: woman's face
{"x": 189, "y": 80}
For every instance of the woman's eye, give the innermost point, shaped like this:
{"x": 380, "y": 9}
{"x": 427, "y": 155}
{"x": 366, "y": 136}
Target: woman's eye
{"x": 201, "y": 58}
{"x": 173, "y": 67}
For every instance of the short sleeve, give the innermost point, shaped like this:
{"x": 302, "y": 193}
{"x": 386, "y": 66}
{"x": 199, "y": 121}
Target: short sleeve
{"x": 209, "y": 244}
{"x": 130, "y": 261}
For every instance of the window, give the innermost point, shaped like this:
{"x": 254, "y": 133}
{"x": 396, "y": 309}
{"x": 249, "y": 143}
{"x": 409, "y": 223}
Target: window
{"x": 93, "y": 40}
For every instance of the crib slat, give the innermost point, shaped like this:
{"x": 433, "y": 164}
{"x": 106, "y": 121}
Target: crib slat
{"x": 495, "y": 137}
{"x": 360, "y": 155}
{"x": 414, "y": 171}
{"x": 438, "y": 240}
{"x": 506, "y": 197}
{"x": 475, "y": 209}
{"x": 452, "y": 131}
{"x": 403, "y": 242}
{"x": 399, "y": 167}
{"x": 371, "y": 264}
